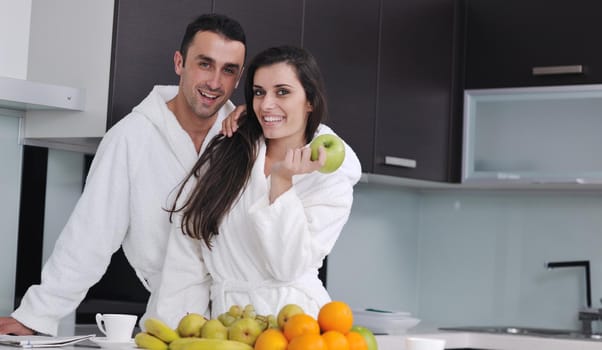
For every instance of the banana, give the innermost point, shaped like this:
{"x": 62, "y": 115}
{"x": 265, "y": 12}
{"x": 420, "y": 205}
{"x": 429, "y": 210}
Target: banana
{"x": 178, "y": 343}
{"x": 214, "y": 344}
{"x": 147, "y": 341}
{"x": 160, "y": 330}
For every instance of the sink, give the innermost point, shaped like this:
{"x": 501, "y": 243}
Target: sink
{"x": 527, "y": 331}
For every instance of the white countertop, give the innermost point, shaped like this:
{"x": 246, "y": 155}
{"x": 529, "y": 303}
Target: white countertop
{"x": 455, "y": 340}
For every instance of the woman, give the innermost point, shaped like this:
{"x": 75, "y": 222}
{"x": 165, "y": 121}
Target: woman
{"x": 264, "y": 215}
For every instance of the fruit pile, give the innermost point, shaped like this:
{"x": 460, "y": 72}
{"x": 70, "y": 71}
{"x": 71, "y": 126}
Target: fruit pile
{"x": 241, "y": 328}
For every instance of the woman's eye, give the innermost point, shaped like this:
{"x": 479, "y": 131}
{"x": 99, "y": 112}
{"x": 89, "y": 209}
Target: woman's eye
{"x": 257, "y": 92}
{"x": 282, "y": 92}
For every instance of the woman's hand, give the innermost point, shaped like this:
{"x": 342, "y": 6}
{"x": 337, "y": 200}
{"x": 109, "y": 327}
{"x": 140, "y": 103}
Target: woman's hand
{"x": 296, "y": 161}
{"x": 230, "y": 124}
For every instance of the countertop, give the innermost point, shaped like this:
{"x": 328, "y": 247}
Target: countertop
{"x": 454, "y": 340}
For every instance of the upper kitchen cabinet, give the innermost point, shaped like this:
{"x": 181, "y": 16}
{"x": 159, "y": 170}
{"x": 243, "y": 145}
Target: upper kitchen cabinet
{"x": 266, "y": 23}
{"x": 519, "y": 43}
{"x": 343, "y": 36}
{"x": 146, "y": 36}
{"x": 418, "y": 123}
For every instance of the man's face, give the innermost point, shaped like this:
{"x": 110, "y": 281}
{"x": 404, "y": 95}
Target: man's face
{"x": 211, "y": 72}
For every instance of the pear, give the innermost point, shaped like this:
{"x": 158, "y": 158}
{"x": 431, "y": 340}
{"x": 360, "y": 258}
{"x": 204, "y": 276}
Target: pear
{"x": 190, "y": 325}
{"x": 288, "y": 311}
{"x": 245, "y": 330}
{"x": 214, "y": 329}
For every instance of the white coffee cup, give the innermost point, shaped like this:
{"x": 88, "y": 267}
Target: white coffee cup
{"x": 117, "y": 327}
{"x": 414, "y": 343}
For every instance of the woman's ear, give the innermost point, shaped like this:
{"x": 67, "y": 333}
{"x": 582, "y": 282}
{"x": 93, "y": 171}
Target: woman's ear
{"x": 310, "y": 108}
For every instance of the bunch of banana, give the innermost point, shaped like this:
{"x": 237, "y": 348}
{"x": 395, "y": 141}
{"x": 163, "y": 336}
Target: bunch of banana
{"x": 158, "y": 335}
{"x": 208, "y": 344}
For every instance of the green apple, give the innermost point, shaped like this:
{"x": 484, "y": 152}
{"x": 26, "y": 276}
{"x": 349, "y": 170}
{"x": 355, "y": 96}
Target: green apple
{"x": 191, "y": 324}
{"x": 288, "y": 311}
{"x": 214, "y": 329}
{"x": 368, "y": 336}
{"x": 245, "y": 330}
{"x": 335, "y": 151}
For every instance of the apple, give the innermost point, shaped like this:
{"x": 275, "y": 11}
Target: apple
{"x": 368, "y": 336}
{"x": 214, "y": 329}
{"x": 335, "y": 151}
{"x": 288, "y": 311}
{"x": 191, "y": 324}
{"x": 245, "y": 330}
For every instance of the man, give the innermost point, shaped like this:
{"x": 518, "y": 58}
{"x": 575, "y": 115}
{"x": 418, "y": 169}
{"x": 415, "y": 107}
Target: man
{"x": 139, "y": 162}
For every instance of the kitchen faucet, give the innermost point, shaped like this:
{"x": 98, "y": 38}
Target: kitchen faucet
{"x": 588, "y": 315}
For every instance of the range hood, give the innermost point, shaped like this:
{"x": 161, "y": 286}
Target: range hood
{"x": 23, "y": 95}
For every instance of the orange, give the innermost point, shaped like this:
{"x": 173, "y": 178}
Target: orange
{"x": 356, "y": 341}
{"x": 335, "y": 340}
{"x": 335, "y": 316}
{"x": 300, "y": 324}
{"x": 271, "y": 339}
{"x": 308, "y": 341}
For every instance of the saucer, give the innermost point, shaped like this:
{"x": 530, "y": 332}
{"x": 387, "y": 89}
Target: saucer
{"x": 106, "y": 343}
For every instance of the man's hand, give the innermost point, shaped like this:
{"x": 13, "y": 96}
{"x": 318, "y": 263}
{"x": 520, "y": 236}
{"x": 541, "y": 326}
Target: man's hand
{"x": 230, "y": 124}
{"x": 9, "y": 325}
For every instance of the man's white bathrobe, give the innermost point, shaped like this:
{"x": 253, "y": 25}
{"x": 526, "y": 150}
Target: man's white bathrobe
{"x": 138, "y": 163}
{"x": 265, "y": 255}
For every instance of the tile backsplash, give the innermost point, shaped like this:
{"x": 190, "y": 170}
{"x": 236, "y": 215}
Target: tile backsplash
{"x": 470, "y": 257}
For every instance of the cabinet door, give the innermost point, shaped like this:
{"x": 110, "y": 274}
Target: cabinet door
{"x": 417, "y": 83}
{"x": 506, "y": 39}
{"x": 347, "y": 54}
{"x": 146, "y": 35}
{"x": 266, "y": 23}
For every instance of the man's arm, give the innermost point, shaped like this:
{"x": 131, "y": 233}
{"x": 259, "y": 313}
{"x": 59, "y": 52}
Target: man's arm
{"x": 94, "y": 231}
{"x": 9, "y": 325}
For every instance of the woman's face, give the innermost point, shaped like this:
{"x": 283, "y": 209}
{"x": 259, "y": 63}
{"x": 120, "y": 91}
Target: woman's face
{"x": 280, "y": 103}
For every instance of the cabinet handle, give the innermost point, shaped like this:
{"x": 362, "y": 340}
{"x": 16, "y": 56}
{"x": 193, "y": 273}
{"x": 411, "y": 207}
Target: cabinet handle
{"x": 400, "y": 162}
{"x": 556, "y": 70}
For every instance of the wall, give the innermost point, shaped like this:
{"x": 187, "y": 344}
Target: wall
{"x": 14, "y": 39}
{"x": 70, "y": 44}
{"x": 470, "y": 258}
{"x": 64, "y": 183}
{"x": 373, "y": 264}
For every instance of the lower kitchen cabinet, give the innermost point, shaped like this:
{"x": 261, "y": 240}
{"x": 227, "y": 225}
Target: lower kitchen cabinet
{"x": 418, "y": 122}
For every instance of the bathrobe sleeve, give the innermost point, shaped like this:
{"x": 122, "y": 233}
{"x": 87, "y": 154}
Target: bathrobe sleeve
{"x": 301, "y": 226}
{"x": 185, "y": 282}
{"x": 84, "y": 248}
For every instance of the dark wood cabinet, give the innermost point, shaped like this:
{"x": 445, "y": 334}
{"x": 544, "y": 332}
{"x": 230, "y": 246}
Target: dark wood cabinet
{"x": 266, "y": 23}
{"x": 146, "y": 34}
{"x": 506, "y": 39}
{"x": 343, "y": 36}
{"x": 418, "y": 119}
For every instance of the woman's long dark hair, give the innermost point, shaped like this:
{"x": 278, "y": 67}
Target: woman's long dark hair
{"x": 225, "y": 166}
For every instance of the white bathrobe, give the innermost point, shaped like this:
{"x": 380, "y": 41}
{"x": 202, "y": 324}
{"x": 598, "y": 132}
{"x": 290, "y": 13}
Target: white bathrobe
{"x": 265, "y": 255}
{"x": 138, "y": 163}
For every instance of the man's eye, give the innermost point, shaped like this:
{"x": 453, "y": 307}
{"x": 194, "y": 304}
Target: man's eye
{"x": 204, "y": 64}
{"x": 230, "y": 70}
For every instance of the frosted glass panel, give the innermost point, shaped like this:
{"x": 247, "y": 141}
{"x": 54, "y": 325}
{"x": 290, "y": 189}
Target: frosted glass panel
{"x": 534, "y": 133}
{"x": 10, "y": 183}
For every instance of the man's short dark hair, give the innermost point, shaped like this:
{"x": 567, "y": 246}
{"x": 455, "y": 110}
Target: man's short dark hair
{"x": 216, "y": 23}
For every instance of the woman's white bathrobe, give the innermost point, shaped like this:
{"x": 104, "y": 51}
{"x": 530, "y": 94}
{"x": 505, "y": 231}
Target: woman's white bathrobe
{"x": 138, "y": 163}
{"x": 265, "y": 255}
